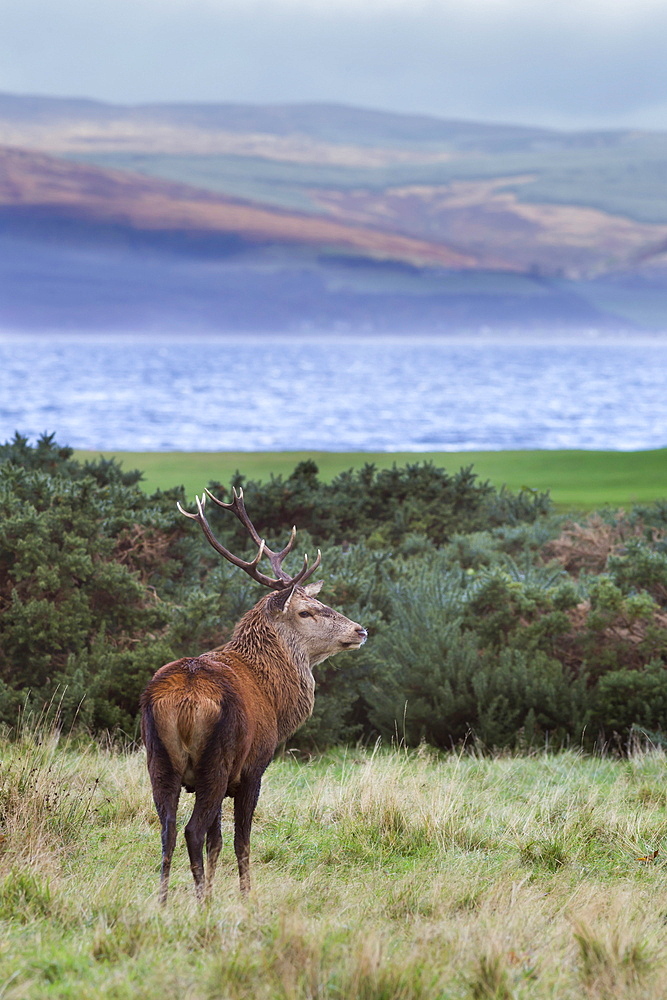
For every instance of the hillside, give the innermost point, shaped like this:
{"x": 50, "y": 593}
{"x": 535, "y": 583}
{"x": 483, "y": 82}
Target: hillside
{"x": 43, "y": 189}
{"x": 326, "y": 215}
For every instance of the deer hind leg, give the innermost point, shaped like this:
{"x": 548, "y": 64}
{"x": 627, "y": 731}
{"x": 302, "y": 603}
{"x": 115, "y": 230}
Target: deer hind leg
{"x": 213, "y": 845}
{"x": 245, "y": 801}
{"x": 167, "y": 808}
{"x": 166, "y": 785}
{"x": 204, "y": 824}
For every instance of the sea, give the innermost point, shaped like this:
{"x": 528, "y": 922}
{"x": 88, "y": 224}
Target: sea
{"x": 335, "y": 392}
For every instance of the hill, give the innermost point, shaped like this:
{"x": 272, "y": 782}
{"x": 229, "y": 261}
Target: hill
{"x": 323, "y": 215}
{"x": 47, "y": 193}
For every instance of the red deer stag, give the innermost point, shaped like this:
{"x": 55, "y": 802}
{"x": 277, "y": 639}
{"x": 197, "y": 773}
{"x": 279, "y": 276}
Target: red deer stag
{"x": 212, "y": 723}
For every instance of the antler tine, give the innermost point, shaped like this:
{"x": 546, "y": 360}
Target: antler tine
{"x": 238, "y": 495}
{"x": 290, "y": 543}
{"x": 249, "y": 566}
{"x": 187, "y": 512}
{"x": 304, "y": 573}
{"x": 237, "y": 507}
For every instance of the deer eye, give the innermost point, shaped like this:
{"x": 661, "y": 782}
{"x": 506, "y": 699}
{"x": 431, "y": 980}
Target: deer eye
{"x": 305, "y": 614}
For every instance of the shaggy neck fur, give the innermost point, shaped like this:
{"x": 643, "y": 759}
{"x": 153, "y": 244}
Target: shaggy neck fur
{"x": 280, "y": 663}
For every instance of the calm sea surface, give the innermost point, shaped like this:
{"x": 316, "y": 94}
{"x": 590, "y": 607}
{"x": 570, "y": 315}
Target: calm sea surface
{"x": 322, "y": 392}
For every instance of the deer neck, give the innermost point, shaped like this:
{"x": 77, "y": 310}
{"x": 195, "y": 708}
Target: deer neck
{"x": 282, "y": 667}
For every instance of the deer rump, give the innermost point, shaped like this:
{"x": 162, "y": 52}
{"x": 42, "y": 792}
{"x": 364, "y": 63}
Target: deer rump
{"x": 199, "y": 723}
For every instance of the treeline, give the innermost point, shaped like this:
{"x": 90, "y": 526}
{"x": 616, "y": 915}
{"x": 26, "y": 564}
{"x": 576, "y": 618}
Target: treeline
{"x": 490, "y": 617}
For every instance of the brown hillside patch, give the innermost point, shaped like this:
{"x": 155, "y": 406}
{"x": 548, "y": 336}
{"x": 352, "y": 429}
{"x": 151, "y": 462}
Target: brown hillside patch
{"x": 486, "y": 218}
{"x": 143, "y": 549}
{"x": 32, "y": 180}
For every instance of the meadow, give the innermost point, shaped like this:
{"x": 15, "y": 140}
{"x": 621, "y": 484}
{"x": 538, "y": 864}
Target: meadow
{"x": 381, "y": 871}
{"x": 576, "y": 480}
{"x": 379, "y": 874}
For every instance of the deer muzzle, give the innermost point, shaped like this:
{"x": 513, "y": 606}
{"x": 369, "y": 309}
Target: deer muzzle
{"x": 361, "y": 634}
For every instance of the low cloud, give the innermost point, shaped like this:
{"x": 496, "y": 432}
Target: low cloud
{"x": 575, "y": 63}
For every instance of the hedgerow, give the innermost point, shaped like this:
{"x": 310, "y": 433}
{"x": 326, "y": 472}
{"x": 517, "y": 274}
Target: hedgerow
{"x": 491, "y": 619}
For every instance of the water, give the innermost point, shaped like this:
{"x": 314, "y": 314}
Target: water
{"x": 347, "y": 393}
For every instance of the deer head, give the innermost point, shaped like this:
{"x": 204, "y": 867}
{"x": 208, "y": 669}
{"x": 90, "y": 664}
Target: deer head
{"x": 315, "y": 627}
{"x": 303, "y": 621}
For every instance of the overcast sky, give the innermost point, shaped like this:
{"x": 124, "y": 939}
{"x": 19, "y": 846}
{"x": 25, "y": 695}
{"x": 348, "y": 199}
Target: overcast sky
{"x": 566, "y": 63}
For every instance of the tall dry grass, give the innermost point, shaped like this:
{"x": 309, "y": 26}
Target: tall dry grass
{"x": 380, "y": 875}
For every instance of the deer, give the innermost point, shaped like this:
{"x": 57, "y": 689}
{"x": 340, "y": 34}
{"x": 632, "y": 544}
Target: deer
{"x": 212, "y": 724}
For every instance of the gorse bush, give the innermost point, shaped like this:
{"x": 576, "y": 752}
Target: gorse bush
{"x": 381, "y": 506}
{"x": 489, "y": 617}
{"x": 79, "y": 613}
{"x": 456, "y": 667}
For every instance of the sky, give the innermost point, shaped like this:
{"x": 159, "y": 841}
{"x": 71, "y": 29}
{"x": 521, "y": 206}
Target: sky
{"x": 559, "y": 63}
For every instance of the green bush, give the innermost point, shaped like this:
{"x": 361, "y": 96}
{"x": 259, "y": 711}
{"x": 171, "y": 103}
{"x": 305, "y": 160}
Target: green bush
{"x": 476, "y": 630}
{"x": 380, "y": 506}
{"x": 641, "y": 566}
{"x": 79, "y": 607}
{"x": 627, "y": 699}
{"x": 443, "y": 681}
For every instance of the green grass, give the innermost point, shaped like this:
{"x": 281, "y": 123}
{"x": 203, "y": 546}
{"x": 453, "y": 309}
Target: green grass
{"x": 576, "y": 479}
{"x": 377, "y": 876}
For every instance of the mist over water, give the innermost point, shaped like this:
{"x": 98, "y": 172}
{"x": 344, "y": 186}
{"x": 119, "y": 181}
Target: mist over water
{"x": 146, "y": 392}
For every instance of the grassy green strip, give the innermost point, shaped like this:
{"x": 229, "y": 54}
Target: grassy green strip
{"x": 575, "y": 479}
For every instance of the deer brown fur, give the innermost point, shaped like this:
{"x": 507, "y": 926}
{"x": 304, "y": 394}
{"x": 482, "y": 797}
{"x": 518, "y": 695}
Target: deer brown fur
{"x": 212, "y": 724}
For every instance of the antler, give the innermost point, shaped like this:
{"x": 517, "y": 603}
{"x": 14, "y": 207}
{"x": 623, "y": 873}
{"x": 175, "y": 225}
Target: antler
{"x": 237, "y": 506}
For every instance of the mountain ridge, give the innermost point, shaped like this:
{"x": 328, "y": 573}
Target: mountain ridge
{"x": 327, "y": 194}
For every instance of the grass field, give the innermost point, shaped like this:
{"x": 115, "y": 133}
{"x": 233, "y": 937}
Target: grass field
{"x": 576, "y": 479}
{"x": 378, "y": 876}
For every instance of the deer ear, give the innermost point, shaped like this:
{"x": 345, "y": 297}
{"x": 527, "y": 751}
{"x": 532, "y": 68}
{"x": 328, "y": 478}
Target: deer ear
{"x": 314, "y": 588}
{"x": 280, "y": 601}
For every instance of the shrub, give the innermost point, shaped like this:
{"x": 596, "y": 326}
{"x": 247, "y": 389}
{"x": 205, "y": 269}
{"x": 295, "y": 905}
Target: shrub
{"x": 611, "y": 629}
{"x": 631, "y": 698}
{"x": 79, "y": 612}
{"x": 472, "y": 629}
{"x": 641, "y": 566}
{"x": 441, "y": 680}
{"x": 381, "y": 506}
